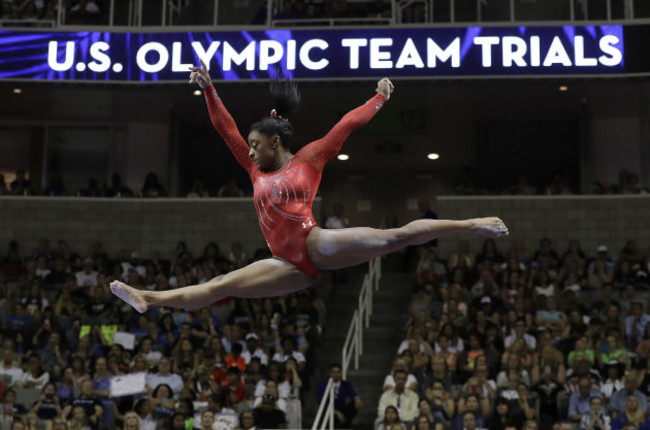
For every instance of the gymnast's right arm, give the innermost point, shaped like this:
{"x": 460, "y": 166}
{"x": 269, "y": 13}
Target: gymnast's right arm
{"x": 221, "y": 119}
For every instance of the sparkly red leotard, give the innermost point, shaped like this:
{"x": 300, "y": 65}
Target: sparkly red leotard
{"x": 283, "y": 199}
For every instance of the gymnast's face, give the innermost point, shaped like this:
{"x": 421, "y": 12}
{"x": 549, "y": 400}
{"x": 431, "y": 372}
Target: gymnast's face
{"x": 263, "y": 149}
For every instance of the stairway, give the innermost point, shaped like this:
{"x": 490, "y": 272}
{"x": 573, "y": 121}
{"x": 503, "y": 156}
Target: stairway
{"x": 380, "y": 341}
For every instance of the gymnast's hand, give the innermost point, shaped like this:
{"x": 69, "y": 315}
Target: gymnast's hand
{"x": 201, "y": 76}
{"x": 385, "y": 87}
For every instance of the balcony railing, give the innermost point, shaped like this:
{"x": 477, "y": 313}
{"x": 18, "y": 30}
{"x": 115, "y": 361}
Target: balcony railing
{"x": 212, "y": 13}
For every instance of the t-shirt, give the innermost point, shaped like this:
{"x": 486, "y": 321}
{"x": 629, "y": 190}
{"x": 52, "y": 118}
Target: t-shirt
{"x": 268, "y": 419}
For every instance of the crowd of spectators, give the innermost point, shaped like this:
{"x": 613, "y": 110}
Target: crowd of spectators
{"x": 42, "y": 12}
{"x": 524, "y": 340}
{"x": 238, "y": 359}
{"x": 21, "y": 185}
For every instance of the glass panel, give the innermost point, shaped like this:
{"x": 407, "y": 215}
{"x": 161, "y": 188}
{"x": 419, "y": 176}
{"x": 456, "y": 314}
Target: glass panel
{"x": 74, "y": 156}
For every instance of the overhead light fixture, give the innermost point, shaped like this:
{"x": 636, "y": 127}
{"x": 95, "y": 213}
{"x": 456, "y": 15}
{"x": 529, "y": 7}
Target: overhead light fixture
{"x": 433, "y": 156}
{"x": 197, "y": 92}
{"x": 563, "y": 88}
{"x": 343, "y": 157}
{"x": 18, "y": 90}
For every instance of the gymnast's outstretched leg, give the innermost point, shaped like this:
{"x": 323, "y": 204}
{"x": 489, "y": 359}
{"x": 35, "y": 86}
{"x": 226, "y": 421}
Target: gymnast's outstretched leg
{"x": 338, "y": 248}
{"x": 265, "y": 278}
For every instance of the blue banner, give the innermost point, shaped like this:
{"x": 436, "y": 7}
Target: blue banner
{"x": 315, "y": 54}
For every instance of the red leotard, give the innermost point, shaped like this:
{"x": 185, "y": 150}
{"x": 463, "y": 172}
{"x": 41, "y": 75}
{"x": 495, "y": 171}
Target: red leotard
{"x": 283, "y": 199}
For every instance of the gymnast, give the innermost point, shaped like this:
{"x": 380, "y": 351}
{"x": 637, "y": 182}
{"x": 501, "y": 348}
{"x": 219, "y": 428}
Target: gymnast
{"x": 285, "y": 185}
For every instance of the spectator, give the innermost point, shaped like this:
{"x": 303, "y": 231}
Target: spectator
{"x": 198, "y": 190}
{"x": 165, "y": 376}
{"x": 21, "y": 186}
{"x": 47, "y": 407}
{"x": 9, "y": 371}
{"x": 632, "y": 417}
{"x": 91, "y": 405}
{"x": 268, "y": 415}
{"x": 288, "y": 351}
{"x": 635, "y": 325}
{"x": 253, "y": 350}
{"x": 618, "y": 400}
{"x": 88, "y": 276}
{"x": 346, "y": 401}
{"x": 405, "y": 400}
{"x": 231, "y": 189}
{"x": 337, "y": 219}
{"x": 579, "y": 403}
{"x": 598, "y": 419}
{"x": 34, "y": 376}
{"x": 152, "y": 186}
{"x": 469, "y": 420}
{"x": 391, "y": 420}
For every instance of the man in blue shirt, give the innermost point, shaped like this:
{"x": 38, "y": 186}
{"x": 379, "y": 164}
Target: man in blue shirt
{"x": 579, "y": 401}
{"x": 635, "y": 325}
{"x": 346, "y": 400}
{"x": 617, "y": 402}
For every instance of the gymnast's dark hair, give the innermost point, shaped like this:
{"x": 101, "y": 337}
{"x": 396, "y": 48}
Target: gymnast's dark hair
{"x": 286, "y": 99}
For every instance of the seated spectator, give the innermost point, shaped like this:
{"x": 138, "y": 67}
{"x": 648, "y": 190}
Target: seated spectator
{"x": 439, "y": 402}
{"x": 93, "y": 410}
{"x": 34, "y": 376}
{"x": 198, "y": 190}
{"x": 163, "y": 402}
{"x": 231, "y": 189}
{"x": 618, "y": 400}
{"x": 235, "y": 386}
{"x": 579, "y": 402}
{"x": 635, "y": 325}
{"x": 515, "y": 367}
{"x": 632, "y": 417}
{"x": 88, "y": 276}
{"x": 164, "y": 376}
{"x": 152, "y": 186}
{"x": 10, "y": 407}
{"x": 520, "y": 333}
{"x": 78, "y": 420}
{"x": 475, "y": 403}
{"x": 237, "y": 256}
{"x": 144, "y": 409}
{"x": 429, "y": 269}
{"x": 346, "y": 400}
{"x": 400, "y": 365}
{"x": 598, "y": 419}
{"x": 470, "y": 421}
{"x": 267, "y": 415}
{"x": 582, "y": 349}
{"x": 405, "y": 400}
{"x": 235, "y": 357}
{"x": 8, "y": 370}
{"x": 289, "y": 351}
{"x": 47, "y": 407}
{"x": 425, "y": 421}
{"x": 279, "y": 394}
{"x": 444, "y": 350}
{"x": 253, "y": 350}
{"x": 391, "y": 420}
{"x": 246, "y": 421}
{"x": 504, "y": 417}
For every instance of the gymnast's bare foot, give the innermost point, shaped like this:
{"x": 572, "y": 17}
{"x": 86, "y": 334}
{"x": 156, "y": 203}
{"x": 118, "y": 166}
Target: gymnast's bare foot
{"x": 491, "y": 226}
{"x": 130, "y": 295}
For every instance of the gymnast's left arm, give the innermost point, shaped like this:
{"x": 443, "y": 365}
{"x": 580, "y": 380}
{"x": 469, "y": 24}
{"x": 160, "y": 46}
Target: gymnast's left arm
{"x": 325, "y": 149}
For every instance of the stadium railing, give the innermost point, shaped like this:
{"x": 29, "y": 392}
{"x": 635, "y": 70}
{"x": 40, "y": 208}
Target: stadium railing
{"x": 353, "y": 345}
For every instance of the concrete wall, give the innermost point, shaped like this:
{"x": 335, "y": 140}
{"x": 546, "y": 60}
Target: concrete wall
{"x": 611, "y": 220}
{"x": 144, "y": 225}
{"x": 157, "y": 224}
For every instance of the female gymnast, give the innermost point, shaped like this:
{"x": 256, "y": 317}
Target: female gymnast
{"x": 284, "y": 186}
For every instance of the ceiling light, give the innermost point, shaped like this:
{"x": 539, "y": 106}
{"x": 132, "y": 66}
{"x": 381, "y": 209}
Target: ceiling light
{"x": 433, "y": 156}
{"x": 197, "y": 92}
{"x": 343, "y": 157}
{"x": 563, "y": 88}
{"x": 18, "y": 90}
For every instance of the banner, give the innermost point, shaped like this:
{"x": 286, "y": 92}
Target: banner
{"x": 324, "y": 54}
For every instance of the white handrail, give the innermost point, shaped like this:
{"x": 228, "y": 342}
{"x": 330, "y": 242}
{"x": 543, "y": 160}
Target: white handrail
{"x": 353, "y": 345}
